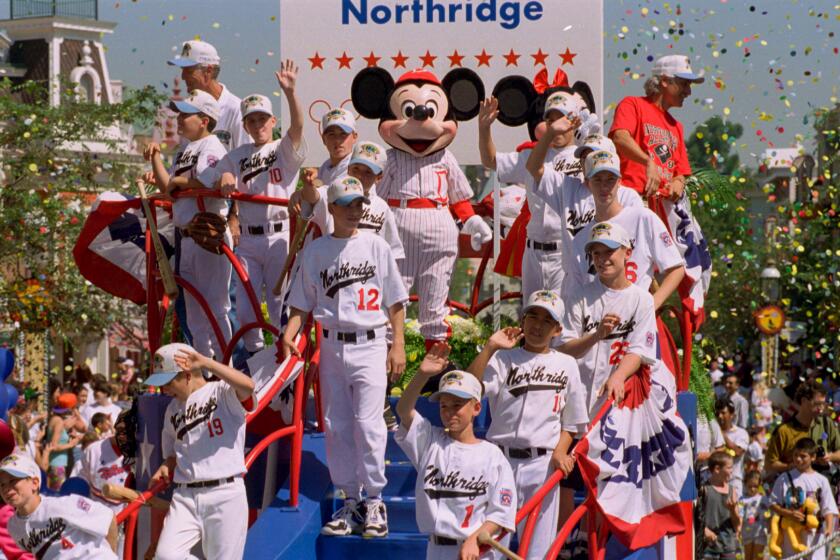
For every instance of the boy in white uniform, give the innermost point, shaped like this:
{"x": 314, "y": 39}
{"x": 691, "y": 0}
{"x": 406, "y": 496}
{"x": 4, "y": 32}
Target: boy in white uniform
{"x": 268, "y": 168}
{"x": 793, "y": 487}
{"x": 542, "y": 267}
{"x": 338, "y": 132}
{"x": 351, "y": 284}
{"x": 366, "y": 165}
{"x": 652, "y": 248}
{"x": 536, "y": 402}
{"x": 54, "y": 528}
{"x": 465, "y": 485}
{"x": 209, "y": 273}
{"x": 203, "y": 445}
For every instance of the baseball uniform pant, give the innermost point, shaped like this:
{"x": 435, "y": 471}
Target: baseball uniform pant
{"x": 217, "y": 517}
{"x": 353, "y": 383}
{"x": 530, "y": 475}
{"x": 450, "y": 552}
{"x": 430, "y": 240}
{"x": 262, "y": 257}
{"x": 210, "y": 275}
{"x": 541, "y": 270}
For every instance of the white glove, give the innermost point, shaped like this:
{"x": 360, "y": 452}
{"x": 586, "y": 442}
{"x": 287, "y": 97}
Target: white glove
{"x": 588, "y": 125}
{"x": 478, "y": 230}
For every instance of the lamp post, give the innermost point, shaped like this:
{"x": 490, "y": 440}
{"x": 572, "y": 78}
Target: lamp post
{"x": 770, "y": 320}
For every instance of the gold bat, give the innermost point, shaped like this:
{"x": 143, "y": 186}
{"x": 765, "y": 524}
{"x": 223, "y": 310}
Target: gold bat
{"x": 169, "y": 285}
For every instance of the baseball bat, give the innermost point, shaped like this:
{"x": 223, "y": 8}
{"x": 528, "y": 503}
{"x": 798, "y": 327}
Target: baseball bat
{"x": 123, "y": 494}
{"x": 485, "y": 539}
{"x": 169, "y": 285}
{"x": 294, "y": 247}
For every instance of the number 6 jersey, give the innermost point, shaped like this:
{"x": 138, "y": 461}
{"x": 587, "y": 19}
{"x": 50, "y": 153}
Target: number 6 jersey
{"x": 459, "y": 486}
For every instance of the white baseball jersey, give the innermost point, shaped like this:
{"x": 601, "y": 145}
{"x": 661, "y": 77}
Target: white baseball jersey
{"x": 206, "y": 434}
{"x": 64, "y": 527}
{"x": 102, "y": 463}
{"x": 635, "y": 333}
{"x": 436, "y": 177}
{"x": 653, "y": 248}
{"x": 532, "y": 397}
{"x": 569, "y": 197}
{"x": 459, "y": 486}
{"x": 741, "y": 439}
{"x": 816, "y": 486}
{"x": 348, "y": 283}
{"x": 190, "y": 162}
{"x": 328, "y": 173}
{"x": 377, "y": 218}
{"x": 110, "y": 409}
{"x": 229, "y": 128}
{"x": 269, "y": 170}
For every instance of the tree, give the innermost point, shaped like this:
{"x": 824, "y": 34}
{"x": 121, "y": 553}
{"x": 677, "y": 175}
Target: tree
{"x": 710, "y": 145}
{"x": 54, "y": 161}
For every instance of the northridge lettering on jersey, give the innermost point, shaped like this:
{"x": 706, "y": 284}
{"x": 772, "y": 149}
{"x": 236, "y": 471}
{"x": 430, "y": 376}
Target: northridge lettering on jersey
{"x": 520, "y": 383}
{"x": 567, "y": 167}
{"x": 252, "y": 166}
{"x": 346, "y": 275}
{"x": 185, "y": 161}
{"x": 577, "y": 222}
{"x": 621, "y": 331}
{"x": 371, "y": 220}
{"x": 39, "y": 540}
{"x": 452, "y": 485}
{"x": 195, "y": 414}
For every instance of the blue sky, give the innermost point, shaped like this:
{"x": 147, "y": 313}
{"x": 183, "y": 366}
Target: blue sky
{"x": 769, "y": 64}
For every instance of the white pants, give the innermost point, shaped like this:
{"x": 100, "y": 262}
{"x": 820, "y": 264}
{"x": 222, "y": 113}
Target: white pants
{"x": 210, "y": 275}
{"x": 217, "y": 517}
{"x": 262, "y": 257}
{"x": 541, "y": 270}
{"x": 430, "y": 240}
{"x": 353, "y": 385}
{"x": 529, "y": 475}
{"x": 450, "y": 552}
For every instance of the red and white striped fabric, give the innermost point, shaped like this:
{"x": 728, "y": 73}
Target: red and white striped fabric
{"x": 635, "y": 460}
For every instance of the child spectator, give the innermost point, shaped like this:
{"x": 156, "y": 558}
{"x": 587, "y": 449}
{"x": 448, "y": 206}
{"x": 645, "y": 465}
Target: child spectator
{"x": 761, "y": 409}
{"x": 709, "y": 440}
{"x": 736, "y": 440}
{"x": 723, "y": 522}
{"x": 754, "y": 510}
{"x": 101, "y": 425}
{"x": 62, "y": 437}
{"x": 796, "y": 485}
{"x": 754, "y": 457}
{"x": 102, "y": 403}
{"x": 486, "y": 500}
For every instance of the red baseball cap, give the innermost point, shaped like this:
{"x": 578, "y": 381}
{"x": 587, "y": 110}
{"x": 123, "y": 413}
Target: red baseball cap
{"x": 419, "y": 75}
{"x": 65, "y": 402}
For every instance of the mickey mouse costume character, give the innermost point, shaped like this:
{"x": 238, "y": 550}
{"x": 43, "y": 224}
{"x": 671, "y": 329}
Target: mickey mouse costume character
{"x": 422, "y": 182}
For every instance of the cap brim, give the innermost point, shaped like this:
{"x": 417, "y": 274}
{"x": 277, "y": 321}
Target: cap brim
{"x": 252, "y": 111}
{"x": 58, "y": 410}
{"x": 605, "y": 242}
{"x": 691, "y": 77}
{"x": 182, "y": 62}
{"x": 613, "y": 170}
{"x": 372, "y": 166}
{"x": 561, "y": 111}
{"x": 541, "y": 306}
{"x": 182, "y": 107}
{"x": 161, "y": 378}
{"x": 460, "y": 394}
{"x": 346, "y": 128}
{"x": 18, "y": 474}
{"x": 580, "y": 149}
{"x": 346, "y": 200}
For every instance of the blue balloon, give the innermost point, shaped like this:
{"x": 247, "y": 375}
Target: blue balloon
{"x": 4, "y": 404}
{"x": 11, "y": 394}
{"x": 7, "y": 363}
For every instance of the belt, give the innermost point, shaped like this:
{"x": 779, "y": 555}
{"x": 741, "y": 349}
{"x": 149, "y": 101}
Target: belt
{"x": 443, "y": 541}
{"x": 541, "y": 246}
{"x": 525, "y": 453}
{"x": 415, "y": 203}
{"x": 207, "y": 483}
{"x": 262, "y": 230}
{"x": 351, "y": 337}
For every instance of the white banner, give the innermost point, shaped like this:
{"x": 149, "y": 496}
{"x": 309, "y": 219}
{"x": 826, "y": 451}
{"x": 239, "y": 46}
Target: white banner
{"x": 332, "y": 40}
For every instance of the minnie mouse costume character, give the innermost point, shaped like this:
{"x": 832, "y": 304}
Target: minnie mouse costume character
{"x": 422, "y": 181}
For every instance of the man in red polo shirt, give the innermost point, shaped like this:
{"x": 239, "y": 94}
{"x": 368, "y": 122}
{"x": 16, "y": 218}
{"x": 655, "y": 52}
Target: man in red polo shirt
{"x": 649, "y": 140}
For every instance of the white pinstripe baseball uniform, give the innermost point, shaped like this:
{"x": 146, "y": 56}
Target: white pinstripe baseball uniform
{"x": 542, "y": 269}
{"x": 349, "y": 284}
{"x": 271, "y": 170}
{"x": 328, "y": 173}
{"x": 429, "y": 235}
{"x": 208, "y": 272}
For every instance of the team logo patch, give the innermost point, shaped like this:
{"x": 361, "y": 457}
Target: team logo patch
{"x": 666, "y": 238}
{"x": 650, "y": 339}
{"x": 158, "y": 361}
{"x": 369, "y": 150}
{"x": 83, "y": 505}
{"x": 334, "y": 115}
{"x": 212, "y": 161}
{"x": 452, "y": 378}
{"x": 251, "y": 101}
{"x": 506, "y": 496}
{"x": 601, "y": 230}
{"x": 186, "y": 50}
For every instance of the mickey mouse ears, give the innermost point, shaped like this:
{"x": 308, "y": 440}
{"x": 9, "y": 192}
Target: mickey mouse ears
{"x": 465, "y": 90}
{"x": 516, "y": 95}
{"x": 370, "y": 91}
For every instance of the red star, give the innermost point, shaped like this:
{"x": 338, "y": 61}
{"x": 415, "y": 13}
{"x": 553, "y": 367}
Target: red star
{"x": 539, "y": 57}
{"x": 568, "y": 57}
{"x": 317, "y": 61}
{"x": 344, "y": 60}
{"x": 483, "y": 58}
{"x": 455, "y": 58}
{"x": 428, "y": 59}
{"x": 512, "y": 58}
{"x": 372, "y": 60}
{"x": 399, "y": 60}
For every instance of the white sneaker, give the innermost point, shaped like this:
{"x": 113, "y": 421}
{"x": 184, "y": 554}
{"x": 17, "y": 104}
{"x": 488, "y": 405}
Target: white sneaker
{"x": 376, "y": 519}
{"x": 345, "y": 521}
